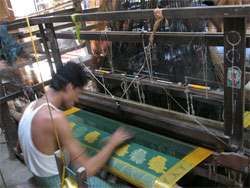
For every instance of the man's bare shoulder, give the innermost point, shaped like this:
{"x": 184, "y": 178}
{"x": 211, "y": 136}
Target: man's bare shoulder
{"x": 60, "y": 119}
{"x": 44, "y": 117}
{"x": 58, "y": 114}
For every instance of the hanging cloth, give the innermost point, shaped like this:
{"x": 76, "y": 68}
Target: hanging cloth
{"x": 11, "y": 50}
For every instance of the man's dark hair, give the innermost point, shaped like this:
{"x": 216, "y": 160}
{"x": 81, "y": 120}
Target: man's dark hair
{"x": 70, "y": 73}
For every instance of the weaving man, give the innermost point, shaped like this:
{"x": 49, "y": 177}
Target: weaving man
{"x": 37, "y": 137}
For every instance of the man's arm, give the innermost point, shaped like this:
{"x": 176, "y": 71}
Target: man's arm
{"x": 95, "y": 163}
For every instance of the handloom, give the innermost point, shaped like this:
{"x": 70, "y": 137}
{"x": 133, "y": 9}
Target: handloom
{"x": 157, "y": 84}
{"x": 148, "y": 160}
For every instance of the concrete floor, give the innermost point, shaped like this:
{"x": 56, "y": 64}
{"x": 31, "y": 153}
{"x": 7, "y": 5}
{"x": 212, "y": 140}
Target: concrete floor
{"x": 14, "y": 171}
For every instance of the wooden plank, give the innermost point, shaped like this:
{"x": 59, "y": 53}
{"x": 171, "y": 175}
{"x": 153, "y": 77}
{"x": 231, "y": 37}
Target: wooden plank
{"x": 190, "y": 38}
{"x": 24, "y": 35}
{"x": 234, "y": 68}
{"x": 28, "y": 44}
{"x": 15, "y": 66}
{"x": 151, "y": 119}
{"x": 73, "y": 48}
{"x": 14, "y": 95}
{"x": 54, "y": 45}
{"x": 46, "y": 48}
{"x": 16, "y": 24}
{"x": 61, "y": 12}
{"x": 215, "y": 177}
{"x": 8, "y": 125}
{"x": 173, "y": 13}
{"x": 6, "y": 10}
{"x": 20, "y": 23}
{"x": 77, "y": 5}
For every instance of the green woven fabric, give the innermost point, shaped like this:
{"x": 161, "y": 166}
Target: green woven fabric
{"x": 145, "y": 158}
{"x": 95, "y": 182}
{"x": 55, "y": 182}
{"x": 49, "y": 182}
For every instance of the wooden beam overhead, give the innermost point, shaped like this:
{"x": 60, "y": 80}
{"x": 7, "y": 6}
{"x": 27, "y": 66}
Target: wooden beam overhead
{"x": 170, "y": 13}
{"x": 19, "y": 23}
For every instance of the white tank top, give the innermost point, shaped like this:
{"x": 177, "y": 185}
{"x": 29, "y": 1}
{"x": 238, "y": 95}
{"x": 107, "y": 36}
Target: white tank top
{"x": 38, "y": 163}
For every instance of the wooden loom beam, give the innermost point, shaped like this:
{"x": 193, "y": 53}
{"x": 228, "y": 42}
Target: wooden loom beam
{"x": 190, "y": 38}
{"x": 170, "y": 13}
{"x": 19, "y": 23}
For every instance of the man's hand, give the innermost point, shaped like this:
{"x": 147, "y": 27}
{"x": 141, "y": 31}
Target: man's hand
{"x": 119, "y": 136}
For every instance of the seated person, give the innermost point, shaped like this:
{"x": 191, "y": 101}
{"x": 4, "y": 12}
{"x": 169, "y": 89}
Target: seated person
{"x": 37, "y": 137}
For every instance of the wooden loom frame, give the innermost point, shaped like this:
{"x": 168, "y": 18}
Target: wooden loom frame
{"x": 232, "y": 135}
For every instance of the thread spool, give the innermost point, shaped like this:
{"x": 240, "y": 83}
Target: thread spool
{"x": 199, "y": 87}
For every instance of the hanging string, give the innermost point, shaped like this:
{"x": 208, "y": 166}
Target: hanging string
{"x": 158, "y": 15}
{"x": 192, "y": 104}
{"x": 137, "y": 86}
{"x": 124, "y": 85}
{"x": 106, "y": 89}
{"x": 142, "y": 94}
{"x": 187, "y": 98}
{"x": 203, "y": 50}
{"x": 193, "y": 118}
{"x": 110, "y": 51}
{"x": 137, "y": 74}
{"x": 103, "y": 82}
{"x": 47, "y": 101}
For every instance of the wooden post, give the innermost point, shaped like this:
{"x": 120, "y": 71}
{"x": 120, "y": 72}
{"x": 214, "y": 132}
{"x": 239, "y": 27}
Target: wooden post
{"x": 81, "y": 177}
{"x": 46, "y": 48}
{"x": 77, "y": 5}
{"x": 53, "y": 45}
{"x": 8, "y": 126}
{"x": 78, "y": 8}
{"x": 234, "y": 69}
{"x": 59, "y": 164}
{"x": 6, "y": 10}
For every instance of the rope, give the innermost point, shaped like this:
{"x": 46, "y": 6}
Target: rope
{"x": 159, "y": 17}
{"x": 137, "y": 74}
{"x": 199, "y": 123}
{"x": 46, "y": 97}
{"x": 106, "y": 89}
